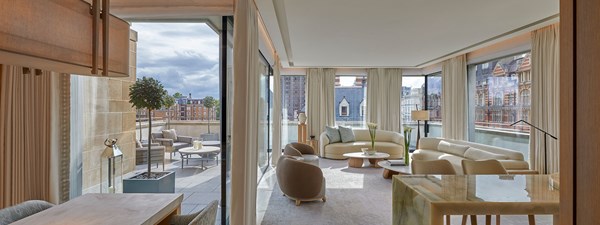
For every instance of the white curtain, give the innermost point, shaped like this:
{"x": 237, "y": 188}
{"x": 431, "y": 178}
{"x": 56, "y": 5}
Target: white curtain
{"x": 545, "y": 97}
{"x": 319, "y": 102}
{"x": 244, "y": 137}
{"x": 454, "y": 98}
{"x": 276, "y": 111}
{"x": 384, "y": 91}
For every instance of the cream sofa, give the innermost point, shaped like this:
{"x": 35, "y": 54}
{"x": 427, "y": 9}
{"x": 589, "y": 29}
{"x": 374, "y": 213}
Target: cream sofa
{"x": 385, "y": 141}
{"x": 455, "y": 151}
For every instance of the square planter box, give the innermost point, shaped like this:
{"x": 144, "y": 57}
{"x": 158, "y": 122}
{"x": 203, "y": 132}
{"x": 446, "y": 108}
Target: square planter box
{"x": 164, "y": 184}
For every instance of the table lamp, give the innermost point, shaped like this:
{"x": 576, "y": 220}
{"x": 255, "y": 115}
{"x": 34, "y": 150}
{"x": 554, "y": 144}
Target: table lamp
{"x": 419, "y": 115}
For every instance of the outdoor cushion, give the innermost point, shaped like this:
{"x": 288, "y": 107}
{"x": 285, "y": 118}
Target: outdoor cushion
{"x": 454, "y": 149}
{"x": 170, "y": 134}
{"x": 347, "y": 134}
{"x": 333, "y": 134}
{"x": 477, "y": 154}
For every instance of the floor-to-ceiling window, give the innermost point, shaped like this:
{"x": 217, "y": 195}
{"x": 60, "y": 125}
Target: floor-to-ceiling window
{"x": 413, "y": 98}
{"x": 422, "y": 92}
{"x": 434, "y": 104}
{"x": 350, "y": 101}
{"x": 264, "y": 111}
{"x": 499, "y": 94}
{"x": 293, "y": 100}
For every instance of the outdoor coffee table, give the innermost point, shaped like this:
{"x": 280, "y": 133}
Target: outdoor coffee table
{"x": 356, "y": 159}
{"x": 205, "y": 153}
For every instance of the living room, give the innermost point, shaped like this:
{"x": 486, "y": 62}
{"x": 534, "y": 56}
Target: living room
{"x": 331, "y": 112}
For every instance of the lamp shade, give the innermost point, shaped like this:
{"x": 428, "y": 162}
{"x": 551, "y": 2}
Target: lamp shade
{"x": 419, "y": 115}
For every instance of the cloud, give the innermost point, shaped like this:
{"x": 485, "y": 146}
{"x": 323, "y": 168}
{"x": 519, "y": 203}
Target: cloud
{"x": 184, "y": 57}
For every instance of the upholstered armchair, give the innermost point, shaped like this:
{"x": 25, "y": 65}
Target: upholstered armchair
{"x": 172, "y": 145}
{"x": 300, "y": 181}
{"x": 22, "y": 210}
{"x": 306, "y": 152}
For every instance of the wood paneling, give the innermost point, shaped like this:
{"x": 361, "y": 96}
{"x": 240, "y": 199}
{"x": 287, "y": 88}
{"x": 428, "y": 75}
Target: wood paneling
{"x": 56, "y": 35}
{"x": 580, "y": 123}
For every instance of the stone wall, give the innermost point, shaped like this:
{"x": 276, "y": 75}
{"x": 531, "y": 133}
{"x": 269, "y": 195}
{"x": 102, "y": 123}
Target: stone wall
{"x": 107, "y": 113}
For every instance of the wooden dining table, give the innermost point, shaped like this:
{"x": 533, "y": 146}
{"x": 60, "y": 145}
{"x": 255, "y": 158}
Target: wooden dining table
{"x": 425, "y": 199}
{"x": 122, "y": 209}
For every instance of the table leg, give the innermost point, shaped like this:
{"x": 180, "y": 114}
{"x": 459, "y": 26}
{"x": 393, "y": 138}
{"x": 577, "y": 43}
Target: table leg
{"x": 374, "y": 163}
{"x": 387, "y": 174}
{"x": 555, "y": 219}
{"x": 182, "y": 159}
{"x": 436, "y": 217}
{"x": 355, "y": 162}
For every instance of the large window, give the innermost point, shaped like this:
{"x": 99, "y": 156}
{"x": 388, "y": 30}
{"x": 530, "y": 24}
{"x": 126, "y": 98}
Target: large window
{"x": 293, "y": 98}
{"x": 422, "y": 92}
{"x": 500, "y": 95}
{"x": 350, "y": 101}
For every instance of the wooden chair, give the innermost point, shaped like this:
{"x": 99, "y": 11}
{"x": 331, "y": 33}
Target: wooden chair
{"x": 490, "y": 166}
{"x": 435, "y": 167}
{"x": 206, "y": 216}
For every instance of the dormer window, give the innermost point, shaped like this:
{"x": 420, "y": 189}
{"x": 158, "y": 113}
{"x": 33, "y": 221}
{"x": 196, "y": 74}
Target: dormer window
{"x": 344, "y": 107}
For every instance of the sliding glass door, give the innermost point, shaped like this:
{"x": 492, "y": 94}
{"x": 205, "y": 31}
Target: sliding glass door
{"x": 264, "y": 116}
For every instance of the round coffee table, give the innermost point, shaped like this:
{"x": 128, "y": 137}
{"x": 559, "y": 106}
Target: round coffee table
{"x": 389, "y": 170}
{"x": 356, "y": 159}
{"x": 205, "y": 153}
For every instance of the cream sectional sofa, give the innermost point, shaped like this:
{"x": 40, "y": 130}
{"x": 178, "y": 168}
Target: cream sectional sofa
{"x": 455, "y": 151}
{"x": 385, "y": 141}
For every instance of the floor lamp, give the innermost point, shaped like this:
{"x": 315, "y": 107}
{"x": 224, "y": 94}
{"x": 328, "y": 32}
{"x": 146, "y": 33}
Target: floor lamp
{"x": 546, "y": 134}
{"x": 419, "y": 115}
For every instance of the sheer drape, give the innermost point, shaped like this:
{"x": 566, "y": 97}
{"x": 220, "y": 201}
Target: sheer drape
{"x": 24, "y": 136}
{"x": 244, "y": 138}
{"x": 384, "y": 91}
{"x": 454, "y": 98}
{"x": 544, "y": 97}
{"x": 320, "y": 84}
{"x": 276, "y": 111}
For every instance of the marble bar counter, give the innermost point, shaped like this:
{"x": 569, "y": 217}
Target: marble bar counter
{"x": 425, "y": 199}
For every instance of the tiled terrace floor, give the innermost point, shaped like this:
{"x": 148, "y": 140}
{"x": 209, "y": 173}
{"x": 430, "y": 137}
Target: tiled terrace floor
{"x": 199, "y": 186}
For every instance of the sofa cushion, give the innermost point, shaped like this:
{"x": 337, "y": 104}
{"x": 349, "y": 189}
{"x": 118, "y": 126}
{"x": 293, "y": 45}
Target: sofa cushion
{"x": 333, "y": 134}
{"x": 426, "y": 154}
{"x": 346, "y": 134}
{"x": 454, "y": 149}
{"x": 478, "y": 154}
{"x": 170, "y": 134}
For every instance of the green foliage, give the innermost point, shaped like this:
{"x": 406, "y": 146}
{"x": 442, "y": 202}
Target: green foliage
{"x": 177, "y": 95}
{"x": 168, "y": 101}
{"x": 209, "y": 102}
{"x": 147, "y": 93}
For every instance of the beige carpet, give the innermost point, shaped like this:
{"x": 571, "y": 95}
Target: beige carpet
{"x": 354, "y": 196}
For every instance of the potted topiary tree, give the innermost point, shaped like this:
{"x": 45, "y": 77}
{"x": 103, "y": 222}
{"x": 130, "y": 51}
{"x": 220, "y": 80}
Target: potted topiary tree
{"x": 168, "y": 102}
{"x": 148, "y": 93}
{"x": 209, "y": 102}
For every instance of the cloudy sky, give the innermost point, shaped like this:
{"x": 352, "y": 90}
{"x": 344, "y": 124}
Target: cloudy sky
{"x": 184, "y": 57}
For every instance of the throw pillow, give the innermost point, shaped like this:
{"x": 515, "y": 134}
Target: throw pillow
{"x": 454, "y": 149}
{"x": 333, "y": 134}
{"x": 170, "y": 134}
{"x": 347, "y": 134}
{"x": 478, "y": 154}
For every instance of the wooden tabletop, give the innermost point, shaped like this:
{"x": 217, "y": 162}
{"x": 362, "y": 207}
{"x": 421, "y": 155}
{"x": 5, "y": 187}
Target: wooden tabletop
{"x": 122, "y": 209}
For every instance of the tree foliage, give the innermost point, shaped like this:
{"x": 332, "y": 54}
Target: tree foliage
{"x": 209, "y": 102}
{"x": 168, "y": 101}
{"x": 147, "y": 93}
{"x": 177, "y": 95}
